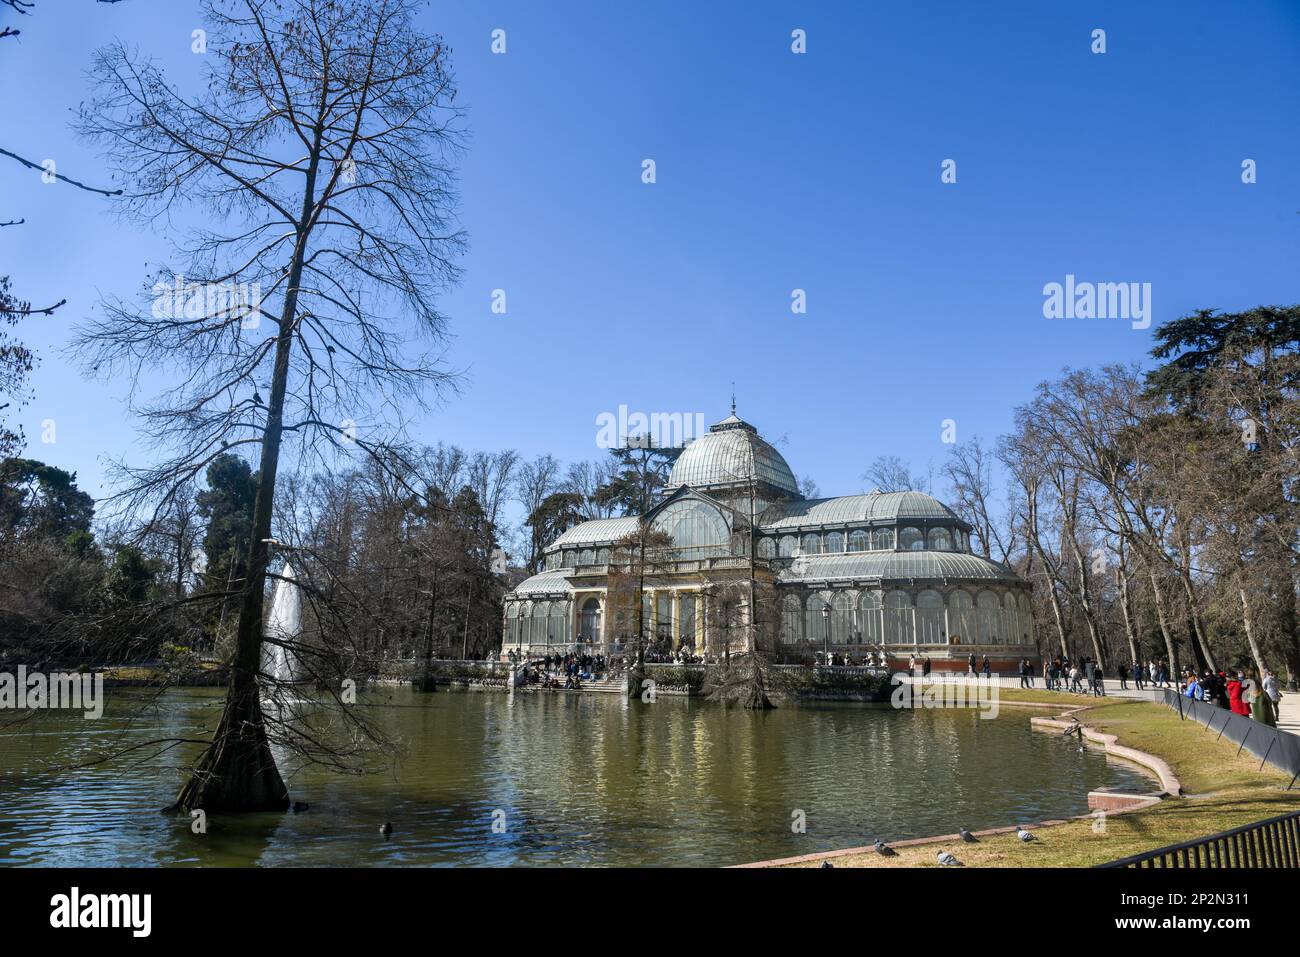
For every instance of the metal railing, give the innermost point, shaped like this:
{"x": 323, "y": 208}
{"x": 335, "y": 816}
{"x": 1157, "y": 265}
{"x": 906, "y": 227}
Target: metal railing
{"x": 1271, "y": 745}
{"x": 1271, "y": 843}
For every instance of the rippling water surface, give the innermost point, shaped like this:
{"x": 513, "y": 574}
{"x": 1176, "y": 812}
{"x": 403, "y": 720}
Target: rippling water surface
{"x": 581, "y": 779}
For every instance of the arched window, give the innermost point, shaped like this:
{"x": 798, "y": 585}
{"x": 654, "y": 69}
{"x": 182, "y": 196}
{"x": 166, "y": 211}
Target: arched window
{"x": 788, "y": 545}
{"x": 911, "y": 540}
{"x": 587, "y": 556}
{"x": 814, "y": 628}
{"x": 791, "y": 619}
{"x": 812, "y": 545}
{"x": 589, "y": 629}
{"x": 1026, "y": 632}
{"x": 570, "y": 558}
{"x": 961, "y": 618}
{"x": 1010, "y": 633}
{"x": 766, "y": 548}
{"x": 556, "y": 631}
{"x": 842, "y": 619}
{"x": 898, "y": 619}
{"x": 929, "y": 618}
{"x": 882, "y": 538}
{"x": 988, "y": 609}
{"x": 834, "y": 543}
{"x": 512, "y": 623}
{"x": 859, "y": 540}
{"x": 688, "y": 618}
{"x": 872, "y": 627}
{"x": 602, "y": 556}
{"x": 695, "y": 527}
{"x": 664, "y": 615}
{"x": 537, "y": 622}
{"x": 939, "y": 540}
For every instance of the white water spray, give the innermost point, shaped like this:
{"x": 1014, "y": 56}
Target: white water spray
{"x": 283, "y": 624}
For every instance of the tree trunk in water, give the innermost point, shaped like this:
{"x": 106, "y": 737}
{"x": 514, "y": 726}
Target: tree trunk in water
{"x": 237, "y": 772}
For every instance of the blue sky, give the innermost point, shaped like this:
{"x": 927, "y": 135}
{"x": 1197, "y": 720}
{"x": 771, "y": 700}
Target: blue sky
{"x": 775, "y": 171}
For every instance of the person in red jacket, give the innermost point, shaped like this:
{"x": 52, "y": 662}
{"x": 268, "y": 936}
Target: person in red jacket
{"x": 1234, "y": 696}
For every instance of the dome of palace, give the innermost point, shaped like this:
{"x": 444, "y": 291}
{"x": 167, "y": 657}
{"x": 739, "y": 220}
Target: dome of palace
{"x": 732, "y": 453}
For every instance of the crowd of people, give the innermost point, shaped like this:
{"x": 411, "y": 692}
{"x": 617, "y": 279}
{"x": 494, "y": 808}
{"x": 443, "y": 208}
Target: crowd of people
{"x": 566, "y": 671}
{"x": 1233, "y": 691}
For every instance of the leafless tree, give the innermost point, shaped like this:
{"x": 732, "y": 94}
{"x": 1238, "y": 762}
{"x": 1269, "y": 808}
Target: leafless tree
{"x": 320, "y": 155}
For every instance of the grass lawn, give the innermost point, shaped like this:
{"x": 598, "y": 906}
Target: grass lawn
{"x": 1223, "y": 791}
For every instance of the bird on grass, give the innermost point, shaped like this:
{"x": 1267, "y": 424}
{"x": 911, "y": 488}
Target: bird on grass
{"x": 947, "y": 860}
{"x": 967, "y": 836}
{"x": 1022, "y": 832}
{"x": 883, "y": 849}
{"x": 827, "y": 864}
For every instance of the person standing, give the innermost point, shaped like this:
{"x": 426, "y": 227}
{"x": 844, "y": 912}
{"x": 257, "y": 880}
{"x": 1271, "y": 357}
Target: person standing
{"x": 971, "y": 662}
{"x": 1261, "y": 707}
{"x": 1272, "y": 689}
{"x": 1235, "y": 701}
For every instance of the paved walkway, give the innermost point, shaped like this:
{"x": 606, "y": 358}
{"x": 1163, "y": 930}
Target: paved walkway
{"x": 1288, "y": 713}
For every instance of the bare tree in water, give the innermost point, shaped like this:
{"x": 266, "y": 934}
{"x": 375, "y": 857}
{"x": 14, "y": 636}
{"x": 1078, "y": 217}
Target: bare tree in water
{"x": 300, "y": 313}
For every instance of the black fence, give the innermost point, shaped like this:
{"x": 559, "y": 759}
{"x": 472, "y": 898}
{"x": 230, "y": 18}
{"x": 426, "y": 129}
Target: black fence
{"x": 1281, "y": 749}
{"x": 1271, "y": 843}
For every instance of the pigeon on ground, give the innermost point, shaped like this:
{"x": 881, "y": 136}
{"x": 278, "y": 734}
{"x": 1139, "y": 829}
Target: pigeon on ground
{"x": 1022, "y": 832}
{"x": 947, "y": 860}
{"x": 827, "y": 864}
{"x": 884, "y": 850}
{"x": 967, "y": 836}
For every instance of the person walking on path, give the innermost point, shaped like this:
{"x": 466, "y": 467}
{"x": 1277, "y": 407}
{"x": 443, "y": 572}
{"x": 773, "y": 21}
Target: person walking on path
{"x": 1123, "y": 676}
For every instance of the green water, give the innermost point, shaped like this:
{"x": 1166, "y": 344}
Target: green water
{"x": 578, "y": 779}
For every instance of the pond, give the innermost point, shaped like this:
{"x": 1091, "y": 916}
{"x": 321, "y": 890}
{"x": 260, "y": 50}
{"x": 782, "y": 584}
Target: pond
{"x": 567, "y": 779}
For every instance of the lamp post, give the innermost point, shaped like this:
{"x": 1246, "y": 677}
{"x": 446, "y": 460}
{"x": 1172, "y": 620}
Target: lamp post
{"x": 826, "y": 631}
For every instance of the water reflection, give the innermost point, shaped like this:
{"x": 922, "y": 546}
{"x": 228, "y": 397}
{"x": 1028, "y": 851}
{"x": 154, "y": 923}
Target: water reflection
{"x": 577, "y": 779}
